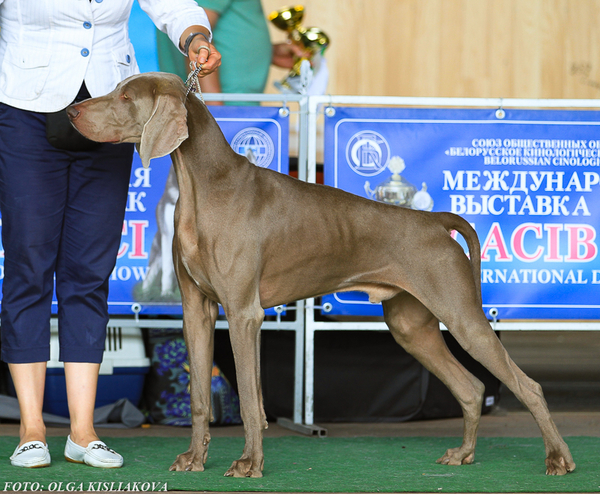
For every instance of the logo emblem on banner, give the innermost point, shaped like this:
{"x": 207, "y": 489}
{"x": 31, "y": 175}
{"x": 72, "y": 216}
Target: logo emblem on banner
{"x": 367, "y": 153}
{"x": 256, "y": 145}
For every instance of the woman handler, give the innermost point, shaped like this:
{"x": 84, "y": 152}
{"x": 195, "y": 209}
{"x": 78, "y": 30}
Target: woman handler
{"x": 62, "y": 198}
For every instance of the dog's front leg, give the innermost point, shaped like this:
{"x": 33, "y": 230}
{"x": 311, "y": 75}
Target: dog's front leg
{"x": 244, "y": 332}
{"x": 199, "y": 317}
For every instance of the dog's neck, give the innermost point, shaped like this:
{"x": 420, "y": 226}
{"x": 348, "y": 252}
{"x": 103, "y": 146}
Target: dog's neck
{"x": 207, "y": 156}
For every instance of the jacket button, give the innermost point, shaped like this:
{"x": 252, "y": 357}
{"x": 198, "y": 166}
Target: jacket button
{"x": 87, "y": 25}
{"x": 128, "y": 58}
{"x": 85, "y": 52}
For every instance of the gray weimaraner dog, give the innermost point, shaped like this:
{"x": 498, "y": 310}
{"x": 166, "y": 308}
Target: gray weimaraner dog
{"x": 250, "y": 238}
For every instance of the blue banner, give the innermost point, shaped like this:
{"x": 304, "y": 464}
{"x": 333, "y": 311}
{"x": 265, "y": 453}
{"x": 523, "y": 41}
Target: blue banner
{"x": 527, "y": 181}
{"x": 144, "y": 270}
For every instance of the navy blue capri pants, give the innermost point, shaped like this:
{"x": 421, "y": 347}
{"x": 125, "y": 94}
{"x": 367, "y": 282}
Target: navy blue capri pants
{"x": 62, "y": 218}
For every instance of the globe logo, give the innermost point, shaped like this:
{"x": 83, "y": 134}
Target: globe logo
{"x": 256, "y": 145}
{"x": 367, "y": 153}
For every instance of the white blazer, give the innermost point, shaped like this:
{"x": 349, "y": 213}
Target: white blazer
{"x": 49, "y": 47}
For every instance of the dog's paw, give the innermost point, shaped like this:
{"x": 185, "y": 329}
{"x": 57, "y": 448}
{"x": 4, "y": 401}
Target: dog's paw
{"x": 189, "y": 462}
{"x": 245, "y": 467}
{"x": 559, "y": 465}
{"x": 457, "y": 456}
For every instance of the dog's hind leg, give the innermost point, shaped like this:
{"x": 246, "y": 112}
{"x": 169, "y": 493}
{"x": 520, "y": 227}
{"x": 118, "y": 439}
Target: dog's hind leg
{"x": 244, "y": 332}
{"x": 199, "y": 317}
{"x": 417, "y": 331}
{"x": 474, "y": 334}
{"x": 452, "y": 295}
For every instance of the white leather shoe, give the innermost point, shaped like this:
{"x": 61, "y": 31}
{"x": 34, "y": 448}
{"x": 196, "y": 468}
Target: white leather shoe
{"x": 34, "y": 454}
{"x": 97, "y": 454}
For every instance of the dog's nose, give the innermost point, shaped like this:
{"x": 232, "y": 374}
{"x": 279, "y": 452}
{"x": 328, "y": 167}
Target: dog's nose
{"x": 72, "y": 112}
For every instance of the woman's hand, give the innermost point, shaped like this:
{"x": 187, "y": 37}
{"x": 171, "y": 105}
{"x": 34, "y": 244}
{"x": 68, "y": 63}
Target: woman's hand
{"x": 204, "y": 53}
{"x": 200, "y": 50}
{"x": 285, "y": 55}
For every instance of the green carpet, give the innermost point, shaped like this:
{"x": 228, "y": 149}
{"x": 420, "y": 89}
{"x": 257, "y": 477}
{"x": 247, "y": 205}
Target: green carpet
{"x": 307, "y": 464}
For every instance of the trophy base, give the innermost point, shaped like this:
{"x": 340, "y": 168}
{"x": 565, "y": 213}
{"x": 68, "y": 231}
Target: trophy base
{"x": 284, "y": 87}
{"x": 291, "y": 85}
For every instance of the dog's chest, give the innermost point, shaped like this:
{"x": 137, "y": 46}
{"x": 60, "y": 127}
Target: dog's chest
{"x": 195, "y": 260}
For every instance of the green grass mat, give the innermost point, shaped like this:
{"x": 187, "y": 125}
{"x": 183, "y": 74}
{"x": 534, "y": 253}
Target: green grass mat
{"x": 306, "y": 464}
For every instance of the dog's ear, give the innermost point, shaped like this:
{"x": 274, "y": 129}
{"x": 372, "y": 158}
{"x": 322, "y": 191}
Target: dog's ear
{"x": 165, "y": 130}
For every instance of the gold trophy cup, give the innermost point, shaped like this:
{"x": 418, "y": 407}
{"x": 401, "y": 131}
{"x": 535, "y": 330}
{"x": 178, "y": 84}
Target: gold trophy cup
{"x": 312, "y": 40}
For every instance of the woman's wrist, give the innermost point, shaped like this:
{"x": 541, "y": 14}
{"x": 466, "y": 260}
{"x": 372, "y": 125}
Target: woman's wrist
{"x": 190, "y": 38}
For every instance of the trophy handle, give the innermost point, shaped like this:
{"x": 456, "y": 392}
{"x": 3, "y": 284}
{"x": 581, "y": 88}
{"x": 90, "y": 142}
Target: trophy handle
{"x": 422, "y": 201}
{"x": 370, "y": 192}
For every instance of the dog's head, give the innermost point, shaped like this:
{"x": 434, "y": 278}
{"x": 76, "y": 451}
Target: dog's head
{"x": 147, "y": 109}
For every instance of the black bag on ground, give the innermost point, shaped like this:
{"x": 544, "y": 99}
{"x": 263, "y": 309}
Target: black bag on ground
{"x": 364, "y": 376}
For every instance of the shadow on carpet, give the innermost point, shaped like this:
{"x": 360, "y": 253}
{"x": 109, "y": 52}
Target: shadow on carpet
{"x": 306, "y": 464}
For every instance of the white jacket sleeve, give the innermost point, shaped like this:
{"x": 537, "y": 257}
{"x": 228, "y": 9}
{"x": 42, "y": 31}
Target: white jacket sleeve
{"x": 173, "y": 17}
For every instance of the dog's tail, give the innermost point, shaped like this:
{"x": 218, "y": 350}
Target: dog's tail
{"x": 454, "y": 222}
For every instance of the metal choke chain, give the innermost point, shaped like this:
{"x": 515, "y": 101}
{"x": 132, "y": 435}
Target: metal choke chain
{"x": 192, "y": 83}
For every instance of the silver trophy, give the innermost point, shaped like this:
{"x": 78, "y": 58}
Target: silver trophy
{"x": 398, "y": 191}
